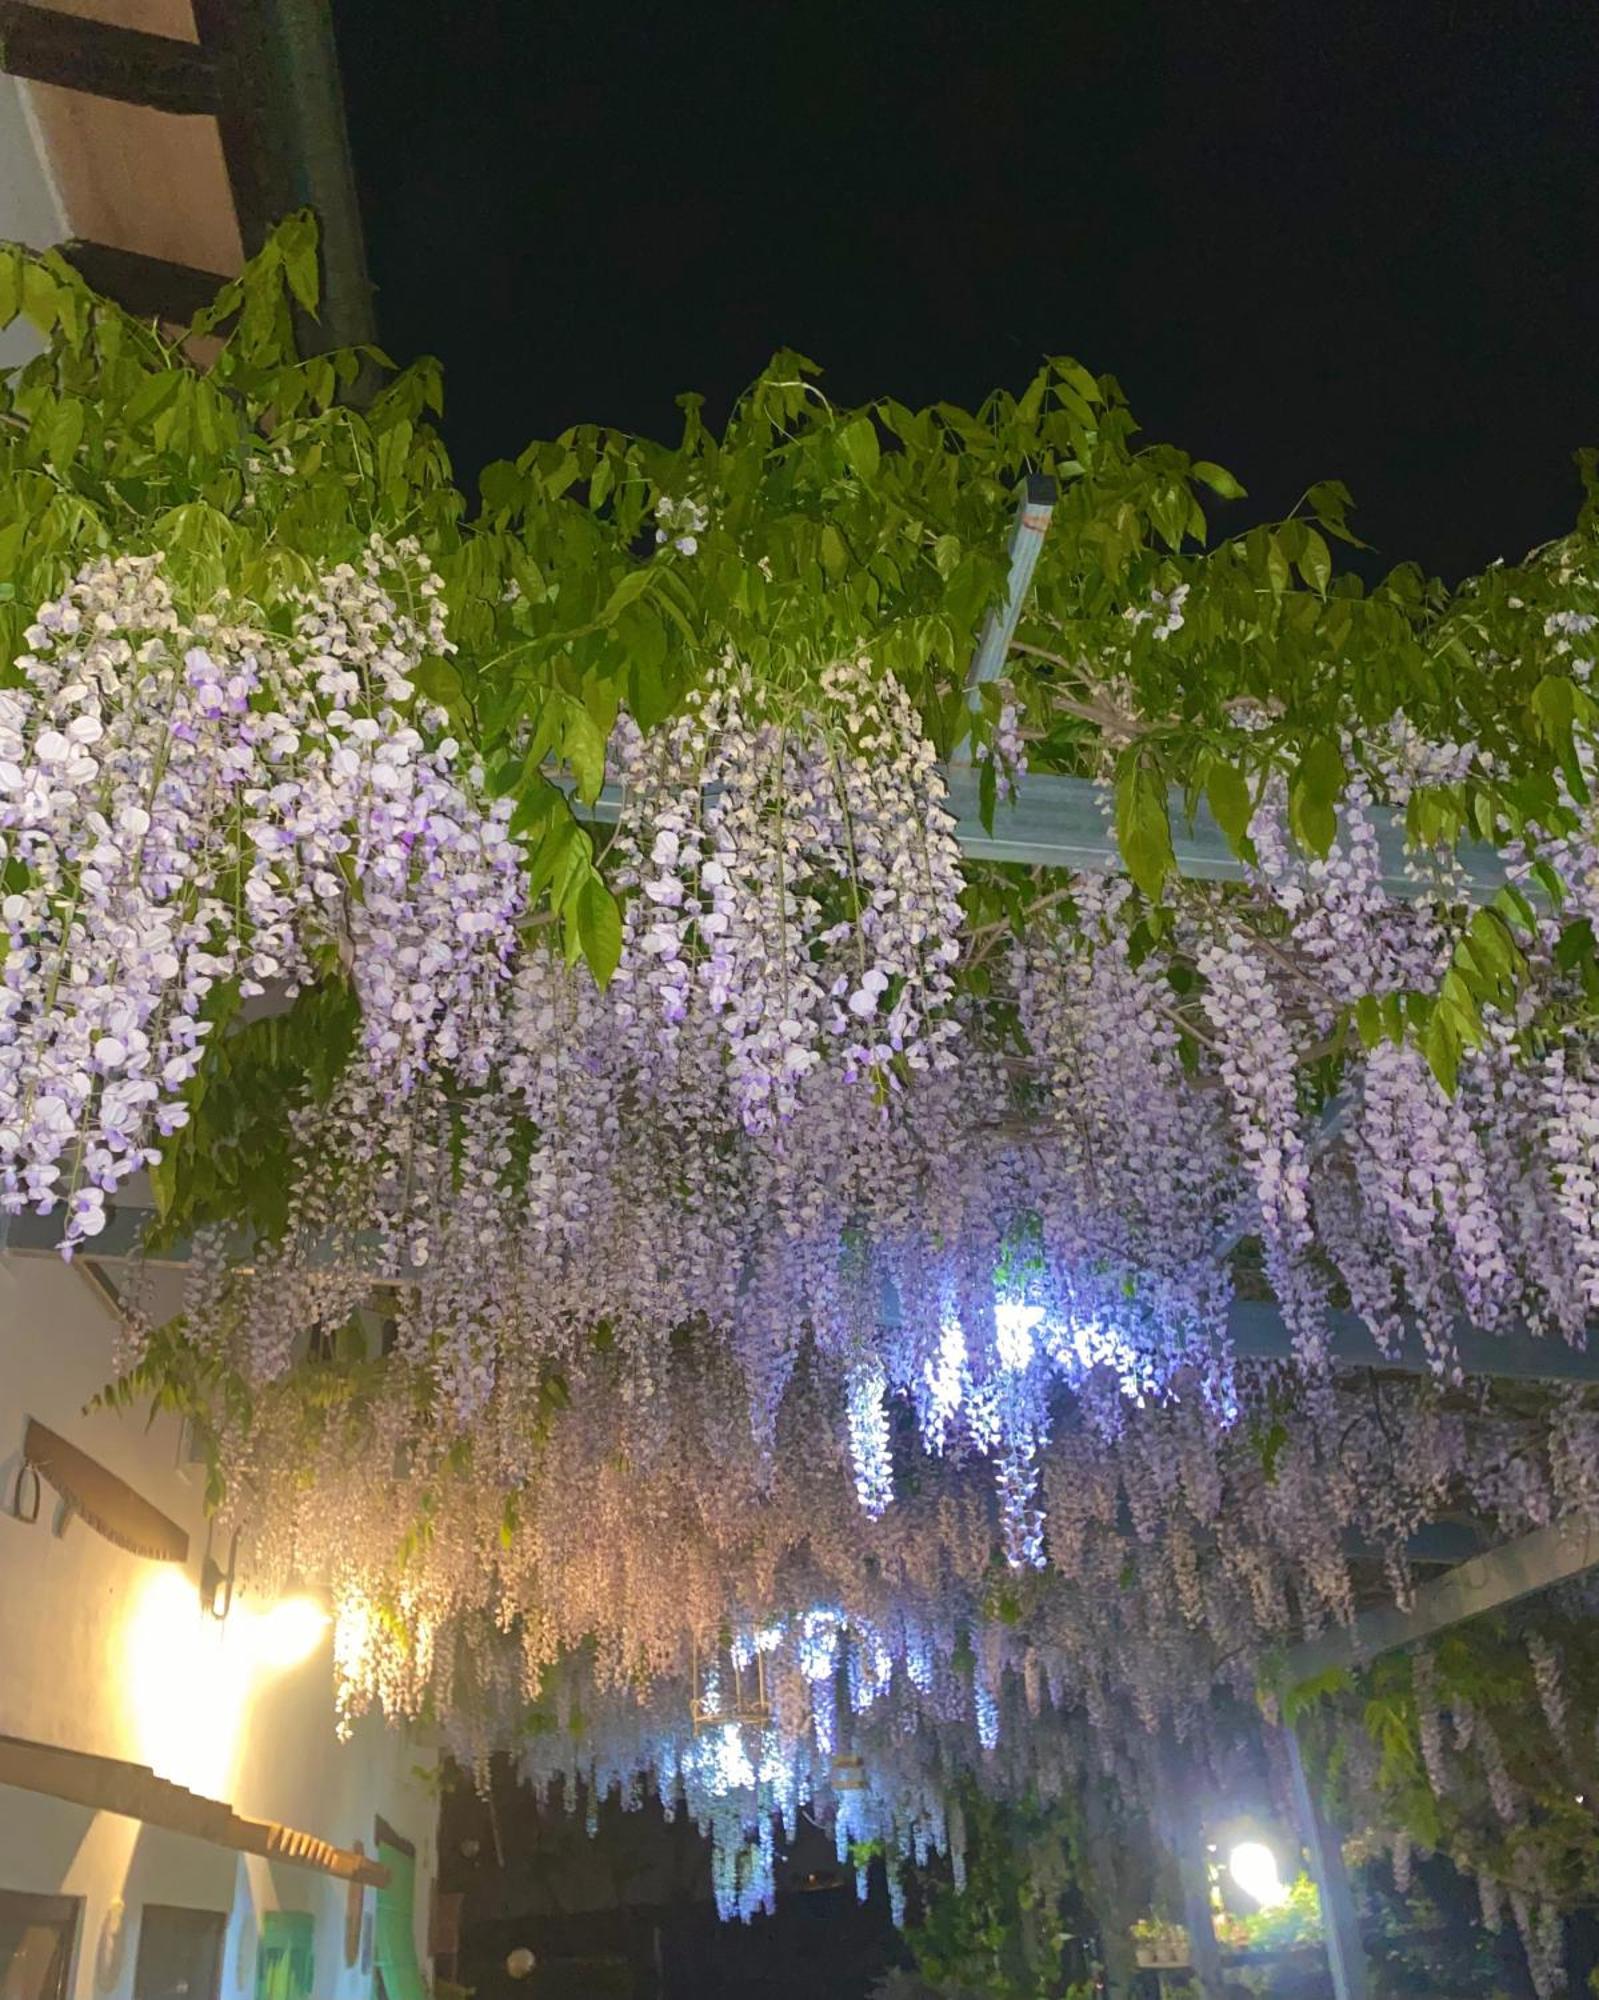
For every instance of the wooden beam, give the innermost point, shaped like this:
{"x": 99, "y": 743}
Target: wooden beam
{"x": 236, "y": 40}
{"x": 147, "y": 287}
{"x": 158, "y": 71}
{"x": 108, "y": 1784}
{"x": 1517, "y": 1569}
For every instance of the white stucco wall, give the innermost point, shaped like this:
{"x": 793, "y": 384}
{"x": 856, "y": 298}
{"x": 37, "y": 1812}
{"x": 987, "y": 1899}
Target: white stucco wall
{"x": 106, "y": 1652}
{"x": 30, "y": 211}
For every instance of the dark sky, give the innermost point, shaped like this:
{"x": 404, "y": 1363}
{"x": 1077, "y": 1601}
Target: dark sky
{"x": 1355, "y": 239}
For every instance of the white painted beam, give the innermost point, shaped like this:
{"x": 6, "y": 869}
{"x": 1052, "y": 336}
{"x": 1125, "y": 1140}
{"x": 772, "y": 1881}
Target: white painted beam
{"x": 1256, "y": 1326}
{"x": 1486, "y": 1583}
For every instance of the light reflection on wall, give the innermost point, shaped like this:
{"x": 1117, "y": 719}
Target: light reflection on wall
{"x": 189, "y": 1679}
{"x": 187, "y": 1683}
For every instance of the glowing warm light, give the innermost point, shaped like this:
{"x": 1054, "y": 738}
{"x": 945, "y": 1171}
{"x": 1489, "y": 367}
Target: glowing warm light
{"x": 290, "y": 1632}
{"x": 1253, "y": 1867}
{"x": 189, "y": 1679}
{"x": 186, "y": 1684}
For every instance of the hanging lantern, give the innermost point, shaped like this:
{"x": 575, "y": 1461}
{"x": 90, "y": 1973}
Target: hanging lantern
{"x": 730, "y": 1687}
{"x": 849, "y": 1774}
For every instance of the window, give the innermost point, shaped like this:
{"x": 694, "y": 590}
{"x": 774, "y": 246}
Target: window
{"x": 180, "y": 1954}
{"x": 285, "y": 1964}
{"x": 36, "y": 1938}
{"x": 399, "y": 1970}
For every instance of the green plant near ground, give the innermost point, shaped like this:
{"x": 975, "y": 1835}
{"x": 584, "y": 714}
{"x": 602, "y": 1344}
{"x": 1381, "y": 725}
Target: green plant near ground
{"x": 1003, "y": 1936}
{"x": 1542, "y": 1837}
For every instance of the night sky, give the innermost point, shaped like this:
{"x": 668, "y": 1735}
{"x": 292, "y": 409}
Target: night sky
{"x": 1358, "y": 239}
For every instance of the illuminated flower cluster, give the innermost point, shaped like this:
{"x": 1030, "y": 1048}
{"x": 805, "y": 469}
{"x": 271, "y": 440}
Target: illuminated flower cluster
{"x": 794, "y": 1295}
{"x": 193, "y": 805}
{"x": 797, "y": 880}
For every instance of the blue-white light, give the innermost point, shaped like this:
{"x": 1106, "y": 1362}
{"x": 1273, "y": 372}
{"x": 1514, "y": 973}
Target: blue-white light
{"x": 1014, "y": 1326}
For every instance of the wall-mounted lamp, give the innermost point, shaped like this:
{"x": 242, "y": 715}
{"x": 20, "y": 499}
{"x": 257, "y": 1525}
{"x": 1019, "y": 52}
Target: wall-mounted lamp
{"x": 26, "y": 1510}
{"x": 216, "y": 1584}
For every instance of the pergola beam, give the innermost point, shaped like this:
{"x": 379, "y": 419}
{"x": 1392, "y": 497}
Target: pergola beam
{"x": 147, "y": 287}
{"x": 1064, "y": 822}
{"x": 1486, "y": 1583}
{"x": 1346, "y": 1953}
{"x": 108, "y": 1784}
{"x": 78, "y": 53}
{"x": 1055, "y": 821}
{"x": 1255, "y": 1326}
{"x": 1259, "y": 1333}
{"x": 1033, "y": 516}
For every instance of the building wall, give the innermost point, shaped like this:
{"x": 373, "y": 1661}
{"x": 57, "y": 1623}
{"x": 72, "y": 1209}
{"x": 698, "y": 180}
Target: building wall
{"x": 30, "y": 208}
{"x": 107, "y": 1652}
{"x": 99, "y": 1650}
{"x": 76, "y": 165}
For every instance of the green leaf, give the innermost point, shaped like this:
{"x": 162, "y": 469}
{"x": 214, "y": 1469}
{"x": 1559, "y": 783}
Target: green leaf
{"x": 38, "y": 295}
{"x": 1086, "y": 385}
{"x": 630, "y": 586}
{"x": 152, "y": 396}
{"x": 1315, "y": 562}
{"x": 1220, "y": 481}
{"x": 583, "y": 746}
{"x": 1513, "y": 906}
{"x": 1490, "y": 943}
{"x": 1143, "y": 827}
{"x": 1440, "y": 1044}
{"x": 1313, "y": 795}
{"x": 1576, "y": 944}
{"x": 599, "y": 927}
{"x": 1558, "y": 704}
{"x": 66, "y": 434}
{"x": 1227, "y": 795}
{"x": 1329, "y": 501}
{"x": 297, "y": 237}
{"x": 861, "y": 448}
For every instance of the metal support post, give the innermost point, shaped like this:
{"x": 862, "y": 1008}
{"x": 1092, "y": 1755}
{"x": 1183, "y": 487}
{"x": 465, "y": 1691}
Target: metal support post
{"x": 1026, "y": 542}
{"x": 1346, "y": 1954}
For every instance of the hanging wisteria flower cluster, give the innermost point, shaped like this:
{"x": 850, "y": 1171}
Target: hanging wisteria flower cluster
{"x": 795, "y": 1298}
{"x": 797, "y": 880}
{"x": 191, "y": 805}
{"x": 960, "y": 1239}
{"x": 691, "y": 1623}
